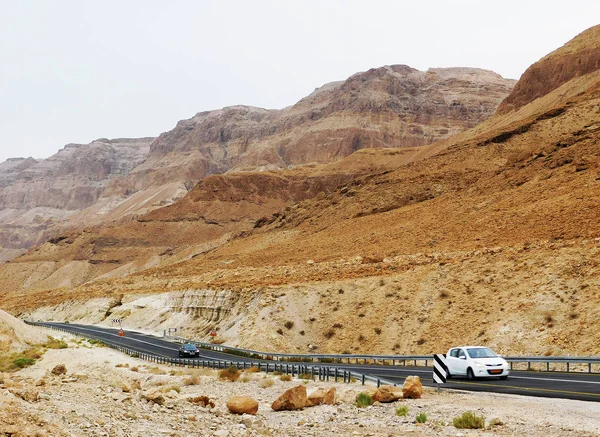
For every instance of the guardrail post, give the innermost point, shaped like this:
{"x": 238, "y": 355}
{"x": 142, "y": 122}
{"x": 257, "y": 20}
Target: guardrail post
{"x": 378, "y": 382}
{"x": 547, "y": 366}
{"x": 336, "y": 375}
{"x": 589, "y": 367}
{"x": 568, "y": 368}
{"x": 363, "y": 379}
{"x": 328, "y": 371}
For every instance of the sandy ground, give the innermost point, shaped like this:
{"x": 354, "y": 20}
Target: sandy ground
{"x": 102, "y": 394}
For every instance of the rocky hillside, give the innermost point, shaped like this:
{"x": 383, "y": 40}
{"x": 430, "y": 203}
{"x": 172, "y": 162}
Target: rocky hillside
{"x": 391, "y": 106}
{"x": 112, "y": 180}
{"x": 38, "y": 197}
{"x": 488, "y": 237}
{"x": 578, "y": 57}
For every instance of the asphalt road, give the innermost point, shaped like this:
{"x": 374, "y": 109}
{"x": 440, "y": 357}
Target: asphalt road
{"x": 579, "y": 386}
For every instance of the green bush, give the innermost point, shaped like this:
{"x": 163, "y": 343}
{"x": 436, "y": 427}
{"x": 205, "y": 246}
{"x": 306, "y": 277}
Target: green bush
{"x": 22, "y": 362}
{"x": 402, "y": 410}
{"x": 363, "y": 400}
{"x": 421, "y": 418}
{"x": 469, "y": 420}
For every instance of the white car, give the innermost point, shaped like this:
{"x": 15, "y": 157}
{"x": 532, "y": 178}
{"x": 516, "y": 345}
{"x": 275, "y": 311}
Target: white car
{"x": 476, "y": 362}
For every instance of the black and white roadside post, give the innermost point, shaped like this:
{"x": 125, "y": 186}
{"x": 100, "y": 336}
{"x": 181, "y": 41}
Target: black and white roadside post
{"x": 440, "y": 369}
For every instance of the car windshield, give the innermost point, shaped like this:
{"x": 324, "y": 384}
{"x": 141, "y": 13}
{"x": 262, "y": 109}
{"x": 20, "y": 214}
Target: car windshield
{"x": 481, "y": 352}
{"x": 189, "y": 347}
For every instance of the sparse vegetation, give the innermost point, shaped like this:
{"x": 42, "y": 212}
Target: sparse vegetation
{"x": 289, "y": 324}
{"x": 230, "y": 374}
{"x": 285, "y": 377}
{"x": 377, "y": 331}
{"x": 402, "y": 410}
{"x": 469, "y": 420}
{"x": 305, "y": 376}
{"x": 495, "y": 422}
{"x": 363, "y": 400}
{"x": 191, "y": 380}
{"x": 266, "y": 383}
{"x": 421, "y": 418}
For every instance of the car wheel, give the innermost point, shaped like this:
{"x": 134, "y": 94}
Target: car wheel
{"x": 470, "y": 374}
{"x": 504, "y": 377}
{"x": 448, "y": 375}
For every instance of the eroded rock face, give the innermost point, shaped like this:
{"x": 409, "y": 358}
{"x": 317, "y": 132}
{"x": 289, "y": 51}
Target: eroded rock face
{"x": 39, "y": 196}
{"x": 579, "y": 56}
{"x": 391, "y": 106}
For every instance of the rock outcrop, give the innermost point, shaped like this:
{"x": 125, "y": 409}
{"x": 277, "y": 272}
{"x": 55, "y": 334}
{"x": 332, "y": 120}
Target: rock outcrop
{"x": 576, "y": 58}
{"x": 39, "y": 197}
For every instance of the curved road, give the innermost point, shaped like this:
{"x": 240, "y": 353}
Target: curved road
{"x": 580, "y": 386}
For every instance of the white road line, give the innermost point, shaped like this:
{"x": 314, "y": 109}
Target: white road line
{"x": 556, "y": 380}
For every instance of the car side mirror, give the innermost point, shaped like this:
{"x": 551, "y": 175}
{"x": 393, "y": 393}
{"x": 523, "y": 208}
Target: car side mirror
{"x": 462, "y": 357}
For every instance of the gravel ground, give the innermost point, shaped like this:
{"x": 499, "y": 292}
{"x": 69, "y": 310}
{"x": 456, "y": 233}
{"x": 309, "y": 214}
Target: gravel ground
{"x": 102, "y": 394}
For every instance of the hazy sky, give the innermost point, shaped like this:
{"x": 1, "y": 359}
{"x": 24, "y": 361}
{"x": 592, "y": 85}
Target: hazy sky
{"x": 74, "y": 71}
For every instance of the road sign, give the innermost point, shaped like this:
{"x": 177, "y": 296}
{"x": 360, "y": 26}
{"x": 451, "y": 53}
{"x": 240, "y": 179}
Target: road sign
{"x": 121, "y": 333}
{"x": 119, "y": 321}
{"x": 213, "y": 333}
{"x": 440, "y": 368}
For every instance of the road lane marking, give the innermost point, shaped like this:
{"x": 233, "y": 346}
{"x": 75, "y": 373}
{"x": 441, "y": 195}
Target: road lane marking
{"x": 556, "y": 380}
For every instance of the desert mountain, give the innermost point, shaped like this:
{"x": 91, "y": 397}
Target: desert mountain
{"x": 113, "y": 180}
{"x": 38, "y": 197}
{"x": 488, "y": 237}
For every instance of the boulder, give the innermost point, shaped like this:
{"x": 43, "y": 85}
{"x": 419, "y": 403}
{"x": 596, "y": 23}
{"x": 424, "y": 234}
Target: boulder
{"x": 388, "y": 393}
{"x": 26, "y": 395}
{"x": 294, "y": 398}
{"x": 321, "y": 396}
{"x": 155, "y": 397}
{"x": 60, "y": 369}
{"x": 412, "y": 388}
{"x": 242, "y": 405}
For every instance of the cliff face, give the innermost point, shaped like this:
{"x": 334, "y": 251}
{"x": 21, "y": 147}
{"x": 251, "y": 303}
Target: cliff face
{"x": 37, "y": 197}
{"x": 392, "y": 106}
{"x": 578, "y": 57}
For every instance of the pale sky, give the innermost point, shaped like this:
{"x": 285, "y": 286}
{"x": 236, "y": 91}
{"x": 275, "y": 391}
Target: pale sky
{"x": 72, "y": 71}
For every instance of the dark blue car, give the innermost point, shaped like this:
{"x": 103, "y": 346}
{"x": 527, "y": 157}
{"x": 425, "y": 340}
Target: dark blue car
{"x": 188, "y": 350}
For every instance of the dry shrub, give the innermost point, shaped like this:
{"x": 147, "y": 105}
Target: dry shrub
{"x": 289, "y": 324}
{"x": 285, "y": 377}
{"x": 329, "y": 333}
{"x": 191, "y": 380}
{"x": 253, "y": 369}
{"x": 156, "y": 371}
{"x": 230, "y": 374}
{"x": 266, "y": 383}
{"x": 135, "y": 369}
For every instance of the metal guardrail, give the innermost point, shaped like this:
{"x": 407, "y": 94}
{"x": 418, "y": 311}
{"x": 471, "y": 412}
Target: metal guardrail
{"x": 416, "y": 360}
{"x": 322, "y": 373}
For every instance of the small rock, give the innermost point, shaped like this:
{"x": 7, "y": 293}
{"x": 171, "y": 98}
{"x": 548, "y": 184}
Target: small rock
{"x": 60, "y": 369}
